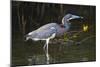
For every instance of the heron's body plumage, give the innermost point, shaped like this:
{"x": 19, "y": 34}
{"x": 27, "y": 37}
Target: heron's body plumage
{"x": 46, "y": 31}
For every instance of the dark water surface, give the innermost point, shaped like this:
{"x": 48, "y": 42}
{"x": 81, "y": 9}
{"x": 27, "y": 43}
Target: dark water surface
{"x": 32, "y": 53}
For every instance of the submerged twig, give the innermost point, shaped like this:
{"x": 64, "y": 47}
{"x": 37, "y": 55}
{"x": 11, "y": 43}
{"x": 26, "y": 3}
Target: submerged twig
{"x": 86, "y": 38}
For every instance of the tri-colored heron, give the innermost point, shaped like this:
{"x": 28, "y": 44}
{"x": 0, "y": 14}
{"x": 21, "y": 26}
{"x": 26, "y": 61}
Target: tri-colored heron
{"x": 51, "y": 30}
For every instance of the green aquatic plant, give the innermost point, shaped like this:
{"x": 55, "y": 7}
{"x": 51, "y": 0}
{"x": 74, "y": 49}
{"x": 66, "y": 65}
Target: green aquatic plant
{"x": 65, "y": 37}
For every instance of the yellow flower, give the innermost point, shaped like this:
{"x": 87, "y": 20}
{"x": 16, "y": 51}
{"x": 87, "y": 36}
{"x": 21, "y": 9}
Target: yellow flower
{"x": 85, "y": 28}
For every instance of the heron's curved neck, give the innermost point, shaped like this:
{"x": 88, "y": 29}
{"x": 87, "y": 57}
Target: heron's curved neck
{"x": 66, "y": 24}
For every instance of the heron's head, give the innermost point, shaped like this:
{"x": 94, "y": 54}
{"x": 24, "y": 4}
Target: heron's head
{"x": 69, "y": 17}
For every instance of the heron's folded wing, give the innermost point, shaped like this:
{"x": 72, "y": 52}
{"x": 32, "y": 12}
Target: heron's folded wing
{"x": 47, "y": 26}
{"x": 45, "y": 33}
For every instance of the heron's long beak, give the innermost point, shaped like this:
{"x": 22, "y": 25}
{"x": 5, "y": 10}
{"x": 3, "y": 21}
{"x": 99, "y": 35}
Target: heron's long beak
{"x": 75, "y": 17}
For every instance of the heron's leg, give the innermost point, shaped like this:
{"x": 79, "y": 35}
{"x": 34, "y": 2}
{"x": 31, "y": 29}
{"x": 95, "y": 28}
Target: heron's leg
{"x": 47, "y": 54}
{"x": 44, "y": 46}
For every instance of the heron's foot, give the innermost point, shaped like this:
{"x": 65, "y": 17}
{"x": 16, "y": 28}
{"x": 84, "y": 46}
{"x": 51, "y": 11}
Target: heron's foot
{"x": 47, "y": 62}
{"x": 48, "y": 58}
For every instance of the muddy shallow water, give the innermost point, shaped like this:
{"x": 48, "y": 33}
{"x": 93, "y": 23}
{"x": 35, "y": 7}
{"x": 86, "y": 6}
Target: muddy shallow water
{"x": 32, "y": 53}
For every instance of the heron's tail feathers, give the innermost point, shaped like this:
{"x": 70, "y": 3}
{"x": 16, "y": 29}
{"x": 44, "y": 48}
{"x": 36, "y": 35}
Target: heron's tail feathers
{"x": 26, "y": 35}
